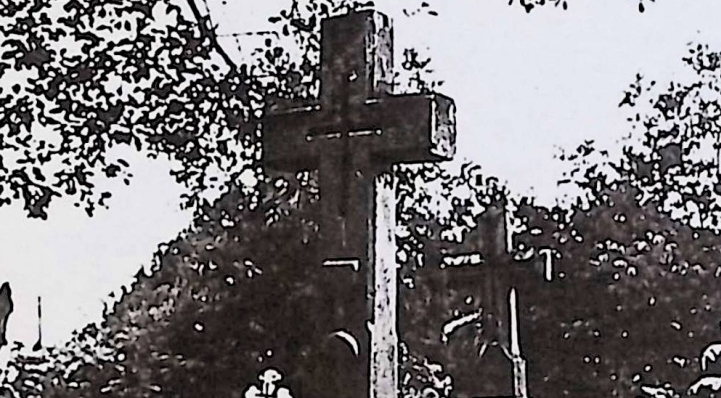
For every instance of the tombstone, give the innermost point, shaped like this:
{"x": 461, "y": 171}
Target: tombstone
{"x": 353, "y": 135}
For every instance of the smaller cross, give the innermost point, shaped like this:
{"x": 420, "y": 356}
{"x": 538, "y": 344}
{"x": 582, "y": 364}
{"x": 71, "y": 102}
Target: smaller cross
{"x": 499, "y": 294}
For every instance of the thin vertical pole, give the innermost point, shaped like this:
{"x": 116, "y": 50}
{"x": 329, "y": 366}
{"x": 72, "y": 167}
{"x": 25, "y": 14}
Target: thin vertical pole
{"x": 507, "y": 221}
{"x": 515, "y": 346}
{"x": 384, "y": 335}
{"x": 39, "y": 344}
{"x": 520, "y": 387}
{"x": 718, "y": 156}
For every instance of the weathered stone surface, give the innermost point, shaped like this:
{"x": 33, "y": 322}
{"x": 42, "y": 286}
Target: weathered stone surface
{"x": 357, "y": 128}
{"x": 393, "y": 129}
{"x": 356, "y": 58}
{"x": 384, "y": 333}
{"x": 353, "y": 134}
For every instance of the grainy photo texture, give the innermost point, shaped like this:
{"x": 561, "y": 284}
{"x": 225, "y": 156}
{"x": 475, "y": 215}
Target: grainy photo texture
{"x": 360, "y": 199}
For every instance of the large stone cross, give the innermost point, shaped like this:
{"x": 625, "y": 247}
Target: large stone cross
{"x": 353, "y": 135}
{"x": 357, "y": 129}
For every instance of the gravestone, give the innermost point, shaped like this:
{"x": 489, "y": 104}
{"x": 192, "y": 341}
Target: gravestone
{"x": 353, "y": 135}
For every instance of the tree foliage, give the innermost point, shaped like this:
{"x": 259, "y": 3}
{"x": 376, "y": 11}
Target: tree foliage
{"x": 86, "y": 76}
{"x": 636, "y": 262}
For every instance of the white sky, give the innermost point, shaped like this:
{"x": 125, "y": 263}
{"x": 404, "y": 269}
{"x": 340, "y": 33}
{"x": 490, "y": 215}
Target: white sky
{"x": 522, "y": 84}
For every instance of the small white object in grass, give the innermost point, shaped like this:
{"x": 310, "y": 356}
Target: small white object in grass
{"x": 710, "y": 354}
{"x": 711, "y": 382}
{"x": 620, "y": 263}
{"x": 353, "y": 264}
{"x": 349, "y": 339}
{"x": 656, "y": 392}
{"x": 454, "y": 324}
{"x": 248, "y": 178}
{"x": 680, "y": 361}
{"x": 269, "y": 387}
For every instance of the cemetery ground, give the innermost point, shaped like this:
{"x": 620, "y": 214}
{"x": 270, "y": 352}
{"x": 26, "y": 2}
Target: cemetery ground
{"x": 616, "y": 290}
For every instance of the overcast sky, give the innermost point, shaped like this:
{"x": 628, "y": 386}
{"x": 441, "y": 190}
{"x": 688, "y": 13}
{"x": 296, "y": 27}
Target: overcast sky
{"x": 523, "y": 85}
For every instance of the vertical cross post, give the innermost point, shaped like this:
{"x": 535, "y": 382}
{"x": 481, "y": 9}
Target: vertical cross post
{"x": 384, "y": 336}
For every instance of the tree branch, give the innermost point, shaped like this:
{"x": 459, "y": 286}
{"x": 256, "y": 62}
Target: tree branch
{"x": 209, "y": 32}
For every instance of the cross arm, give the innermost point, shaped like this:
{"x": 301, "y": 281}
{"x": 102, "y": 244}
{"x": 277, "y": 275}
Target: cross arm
{"x": 417, "y": 128}
{"x": 396, "y": 129}
{"x": 285, "y": 132}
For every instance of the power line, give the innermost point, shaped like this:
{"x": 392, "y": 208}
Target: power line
{"x": 258, "y": 33}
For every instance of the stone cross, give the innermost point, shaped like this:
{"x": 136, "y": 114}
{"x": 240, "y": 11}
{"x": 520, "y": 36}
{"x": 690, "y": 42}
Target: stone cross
{"x": 353, "y": 135}
{"x": 357, "y": 129}
{"x": 499, "y": 298}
